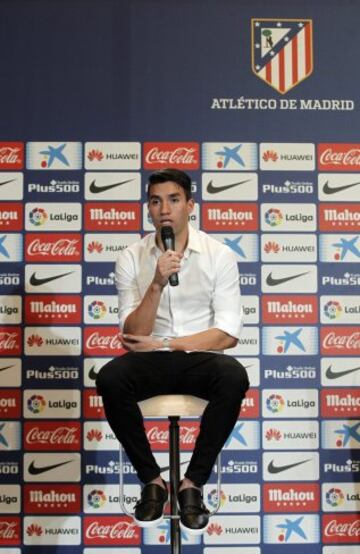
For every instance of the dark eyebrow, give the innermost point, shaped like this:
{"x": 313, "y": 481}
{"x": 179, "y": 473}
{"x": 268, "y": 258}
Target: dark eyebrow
{"x": 157, "y": 197}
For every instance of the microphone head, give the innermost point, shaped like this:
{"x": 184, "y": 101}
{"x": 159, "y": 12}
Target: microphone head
{"x": 167, "y": 232}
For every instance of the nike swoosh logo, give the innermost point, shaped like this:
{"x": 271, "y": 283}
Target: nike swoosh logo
{"x": 213, "y": 190}
{"x": 6, "y": 182}
{"x": 330, "y": 374}
{"x": 95, "y": 189}
{"x": 6, "y": 367}
{"x": 278, "y": 469}
{"x": 166, "y": 468}
{"x": 333, "y": 190}
{"x": 273, "y": 282}
{"x": 33, "y": 470}
{"x": 92, "y": 373}
{"x": 36, "y": 282}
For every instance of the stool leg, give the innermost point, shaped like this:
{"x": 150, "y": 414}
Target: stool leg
{"x": 174, "y": 456}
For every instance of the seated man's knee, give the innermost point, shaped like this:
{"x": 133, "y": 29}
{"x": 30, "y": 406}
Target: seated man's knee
{"x": 111, "y": 375}
{"x": 235, "y": 377}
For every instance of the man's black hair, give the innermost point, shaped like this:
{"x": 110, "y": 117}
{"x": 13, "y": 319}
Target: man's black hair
{"x": 174, "y": 175}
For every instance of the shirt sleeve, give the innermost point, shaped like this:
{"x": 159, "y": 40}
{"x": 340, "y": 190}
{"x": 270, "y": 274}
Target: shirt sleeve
{"x": 227, "y": 305}
{"x": 125, "y": 280}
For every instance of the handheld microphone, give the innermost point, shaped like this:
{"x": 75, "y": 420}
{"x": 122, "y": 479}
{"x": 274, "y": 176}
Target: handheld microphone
{"x": 168, "y": 240}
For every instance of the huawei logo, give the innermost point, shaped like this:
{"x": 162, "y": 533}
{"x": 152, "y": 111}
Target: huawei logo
{"x": 35, "y": 340}
{"x": 271, "y": 246}
{"x": 94, "y": 435}
{"x": 95, "y": 246}
{"x": 34, "y": 529}
{"x": 270, "y": 155}
{"x": 214, "y": 529}
{"x": 95, "y": 155}
{"x": 273, "y": 434}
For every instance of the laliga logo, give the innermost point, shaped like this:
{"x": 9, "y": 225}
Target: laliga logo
{"x": 271, "y": 246}
{"x": 94, "y": 434}
{"x": 34, "y": 340}
{"x": 335, "y": 497}
{"x": 332, "y": 309}
{"x": 275, "y": 403}
{"x": 273, "y": 217}
{"x": 38, "y": 216}
{"x": 97, "y": 309}
{"x": 95, "y": 155}
{"x": 96, "y": 498}
{"x": 212, "y": 498}
{"x": 36, "y": 404}
{"x": 270, "y": 155}
{"x": 95, "y": 246}
{"x": 273, "y": 434}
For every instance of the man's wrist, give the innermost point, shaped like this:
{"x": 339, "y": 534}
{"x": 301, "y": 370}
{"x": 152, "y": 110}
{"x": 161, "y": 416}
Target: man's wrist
{"x": 163, "y": 345}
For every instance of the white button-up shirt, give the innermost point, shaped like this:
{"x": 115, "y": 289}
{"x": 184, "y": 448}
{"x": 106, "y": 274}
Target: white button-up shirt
{"x": 208, "y": 294}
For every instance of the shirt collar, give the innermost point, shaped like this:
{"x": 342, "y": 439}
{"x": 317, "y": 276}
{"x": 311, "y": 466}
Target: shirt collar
{"x": 193, "y": 242}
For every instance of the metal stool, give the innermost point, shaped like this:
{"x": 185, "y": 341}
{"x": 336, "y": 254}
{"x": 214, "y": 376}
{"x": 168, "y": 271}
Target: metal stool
{"x": 172, "y": 406}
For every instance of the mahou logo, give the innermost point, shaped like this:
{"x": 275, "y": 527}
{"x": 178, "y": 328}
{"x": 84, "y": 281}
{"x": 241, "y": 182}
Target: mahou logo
{"x": 52, "y": 499}
{"x": 289, "y": 308}
{"x": 48, "y": 308}
{"x": 339, "y": 217}
{"x": 229, "y": 216}
{"x": 182, "y": 155}
{"x": 341, "y": 528}
{"x": 53, "y": 247}
{"x": 293, "y": 497}
{"x": 339, "y": 157}
{"x": 11, "y": 216}
{"x": 9, "y": 530}
{"x": 340, "y": 402}
{"x": 10, "y": 404}
{"x": 110, "y": 530}
{"x": 10, "y": 341}
{"x": 100, "y": 341}
{"x": 112, "y": 216}
{"x": 92, "y": 405}
{"x": 11, "y": 155}
{"x": 340, "y": 341}
{"x": 47, "y": 435}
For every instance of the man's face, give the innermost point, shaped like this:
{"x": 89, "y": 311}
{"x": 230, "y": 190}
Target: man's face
{"x": 167, "y": 205}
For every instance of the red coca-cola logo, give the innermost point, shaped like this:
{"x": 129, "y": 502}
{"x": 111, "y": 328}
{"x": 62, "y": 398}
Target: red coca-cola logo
{"x": 341, "y": 528}
{"x": 336, "y": 157}
{"x": 11, "y": 155}
{"x": 110, "y": 530}
{"x": 53, "y": 247}
{"x": 9, "y": 530}
{"x": 157, "y": 433}
{"x": 10, "y": 341}
{"x": 340, "y": 341}
{"x": 59, "y": 435}
{"x": 229, "y": 216}
{"x": 100, "y": 341}
{"x": 182, "y": 155}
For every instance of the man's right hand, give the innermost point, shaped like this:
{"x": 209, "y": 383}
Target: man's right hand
{"x": 168, "y": 263}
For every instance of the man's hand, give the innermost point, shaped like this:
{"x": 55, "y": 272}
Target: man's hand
{"x": 168, "y": 263}
{"x": 140, "y": 343}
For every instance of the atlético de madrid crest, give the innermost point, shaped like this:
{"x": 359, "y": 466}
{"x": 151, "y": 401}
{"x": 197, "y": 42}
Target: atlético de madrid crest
{"x": 282, "y": 51}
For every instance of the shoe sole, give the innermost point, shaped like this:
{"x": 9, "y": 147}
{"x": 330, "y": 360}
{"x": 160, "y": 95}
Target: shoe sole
{"x": 147, "y": 524}
{"x": 194, "y": 532}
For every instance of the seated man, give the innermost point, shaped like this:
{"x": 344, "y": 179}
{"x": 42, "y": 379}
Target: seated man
{"x": 175, "y": 336}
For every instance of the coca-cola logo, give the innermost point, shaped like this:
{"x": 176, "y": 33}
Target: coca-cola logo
{"x": 62, "y": 247}
{"x": 174, "y": 154}
{"x": 11, "y": 155}
{"x": 346, "y": 157}
{"x": 342, "y": 342}
{"x": 8, "y": 530}
{"x": 8, "y": 341}
{"x": 104, "y": 342}
{"x": 118, "y": 530}
{"x": 342, "y": 529}
{"x": 62, "y": 435}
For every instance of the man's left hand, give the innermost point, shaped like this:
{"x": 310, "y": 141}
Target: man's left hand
{"x": 140, "y": 343}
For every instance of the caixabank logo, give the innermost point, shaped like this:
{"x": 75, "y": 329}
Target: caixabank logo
{"x": 54, "y": 155}
{"x": 244, "y": 246}
{"x": 340, "y": 434}
{"x": 289, "y": 341}
{"x": 339, "y": 248}
{"x": 281, "y": 51}
{"x": 291, "y": 529}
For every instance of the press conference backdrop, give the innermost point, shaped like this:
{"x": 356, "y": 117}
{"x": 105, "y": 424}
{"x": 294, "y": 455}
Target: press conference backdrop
{"x": 259, "y": 102}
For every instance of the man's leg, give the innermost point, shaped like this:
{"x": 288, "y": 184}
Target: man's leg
{"x": 222, "y": 381}
{"x": 122, "y": 383}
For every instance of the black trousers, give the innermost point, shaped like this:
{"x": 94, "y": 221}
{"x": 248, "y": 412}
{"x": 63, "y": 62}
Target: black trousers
{"x": 126, "y": 380}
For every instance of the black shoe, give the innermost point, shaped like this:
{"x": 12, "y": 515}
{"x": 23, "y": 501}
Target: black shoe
{"x": 149, "y": 510}
{"x": 194, "y": 517}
